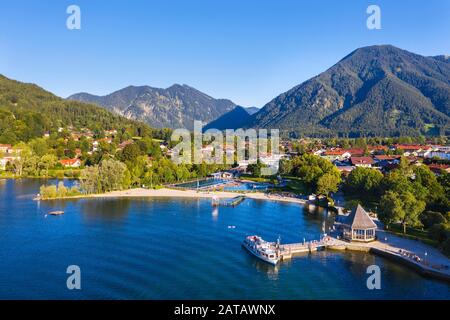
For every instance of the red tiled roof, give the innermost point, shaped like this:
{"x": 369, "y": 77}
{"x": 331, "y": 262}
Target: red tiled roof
{"x": 334, "y": 152}
{"x": 378, "y": 148}
{"x": 408, "y": 147}
{"x": 69, "y": 162}
{"x": 385, "y": 157}
{"x": 355, "y": 151}
{"x": 361, "y": 160}
{"x": 438, "y": 167}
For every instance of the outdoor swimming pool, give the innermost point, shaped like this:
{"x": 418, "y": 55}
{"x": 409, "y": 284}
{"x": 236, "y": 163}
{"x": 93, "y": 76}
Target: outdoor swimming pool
{"x": 211, "y": 183}
{"x": 201, "y": 184}
{"x": 248, "y": 186}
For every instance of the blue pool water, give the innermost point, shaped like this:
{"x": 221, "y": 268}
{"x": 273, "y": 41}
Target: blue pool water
{"x": 247, "y": 186}
{"x": 204, "y": 183}
{"x": 178, "y": 249}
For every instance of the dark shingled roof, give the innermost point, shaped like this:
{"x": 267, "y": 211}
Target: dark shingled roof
{"x": 359, "y": 219}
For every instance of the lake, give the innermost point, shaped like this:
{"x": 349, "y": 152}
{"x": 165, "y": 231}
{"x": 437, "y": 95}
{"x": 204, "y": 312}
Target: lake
{"x": 178, "y": 249}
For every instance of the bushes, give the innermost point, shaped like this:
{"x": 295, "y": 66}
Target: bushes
{"x": 53, "y": 192}
{"x": 439, "y": 232}
{"x": 446, "y": 247}
{"x": 430, "y": 218}
{"x": 111, "y": 175}
{"x": 48, "y": 192}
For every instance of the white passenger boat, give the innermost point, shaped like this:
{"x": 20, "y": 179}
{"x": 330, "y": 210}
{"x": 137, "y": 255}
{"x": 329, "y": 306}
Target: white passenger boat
{"x": 266, "y": 251}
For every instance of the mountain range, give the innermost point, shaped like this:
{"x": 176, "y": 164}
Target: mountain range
{"x": 234, "y": 119}
{"x": 175, "y": 107}
{"x": 376, "y": 90}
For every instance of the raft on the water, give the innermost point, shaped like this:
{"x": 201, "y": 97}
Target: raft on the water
{"x": 227, "y": 202}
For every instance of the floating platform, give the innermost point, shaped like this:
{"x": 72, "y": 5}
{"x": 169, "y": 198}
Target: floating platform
{"x": 228, "y": 202}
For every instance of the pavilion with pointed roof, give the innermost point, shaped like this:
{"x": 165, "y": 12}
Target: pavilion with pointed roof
{"x": 358, "y": 226}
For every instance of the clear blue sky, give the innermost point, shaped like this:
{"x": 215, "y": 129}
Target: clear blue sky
{"x": 246, "y": 50}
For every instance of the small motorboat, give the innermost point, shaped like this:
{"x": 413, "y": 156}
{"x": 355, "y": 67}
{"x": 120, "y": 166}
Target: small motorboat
{"x": 56, "y": 213}
{"x": 266, "y": 251}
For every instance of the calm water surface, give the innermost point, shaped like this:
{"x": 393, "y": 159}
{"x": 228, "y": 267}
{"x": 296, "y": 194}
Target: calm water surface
{"x": 177, "y": 249}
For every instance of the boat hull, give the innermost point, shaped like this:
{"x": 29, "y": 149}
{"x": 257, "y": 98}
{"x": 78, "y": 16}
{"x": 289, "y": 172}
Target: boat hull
{"x": 273, "y": 262}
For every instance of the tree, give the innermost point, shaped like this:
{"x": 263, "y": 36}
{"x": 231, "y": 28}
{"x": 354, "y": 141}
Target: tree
{"x": 311, "y": 168}
{"x": 46, "y": 162}
{"x": 48, "y": 192}
{"x": 435, "y": 194}
{"x": 39, "y": 146}
{"x": 112, "y": 175}
{"x": 395, "y": 181}
{"x": 430, "y": 218}
{"x": 328, "y": 183}
{"x": 90, "y": 182}
{"x": 19, "y": 162}
{"x": 286, "y": 167}
{"x": 62, "y": 190}
{"x": 404, "y": 166}
{"x": 131, "y": 152}
{"x": 364, "y": 181}
{"x": 255, "y": 168}
{"x": 403, "y": 208}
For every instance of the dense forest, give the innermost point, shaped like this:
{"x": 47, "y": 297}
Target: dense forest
{"x": 28, "y": 111}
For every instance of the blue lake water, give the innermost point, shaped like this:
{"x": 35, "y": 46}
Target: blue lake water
{"x": 178, "y": 249}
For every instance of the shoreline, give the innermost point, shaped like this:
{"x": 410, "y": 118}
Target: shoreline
{"x": 175, "y": 193}
{"x": 391, "y": 253}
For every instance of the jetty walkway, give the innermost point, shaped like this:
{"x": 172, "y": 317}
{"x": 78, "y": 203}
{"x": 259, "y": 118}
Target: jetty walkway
{"x": 424, "y": 259}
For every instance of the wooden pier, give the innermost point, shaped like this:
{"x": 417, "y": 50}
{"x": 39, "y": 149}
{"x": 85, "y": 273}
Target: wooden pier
{"x": 228, "y": 202}
{"x": 286, "y": 251}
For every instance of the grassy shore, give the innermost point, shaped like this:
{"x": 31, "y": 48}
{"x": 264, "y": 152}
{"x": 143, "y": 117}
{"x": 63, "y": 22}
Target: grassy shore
{"x": 412, "y": 234}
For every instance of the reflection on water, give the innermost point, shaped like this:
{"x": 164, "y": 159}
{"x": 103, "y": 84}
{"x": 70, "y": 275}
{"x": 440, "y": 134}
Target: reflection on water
{"x": 93, "y": 210}
{"x": 320, "y": 215}
{"x": 215, "y": 213}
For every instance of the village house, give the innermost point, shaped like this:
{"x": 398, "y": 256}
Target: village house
{"x": 336, "y": 154}
{"x": 440, "y": 152}
{"x": 408, "y": 150}
{"x": 5, "y": 148}
{"x": 375, "y": 150}
{"x": 345, "y": 170}
{"x": 71, "y": 163}
{"x": 110, "y": 132}
{"x": 95, "y": 145}
{"x": 439, "y": 168}
{"x": 365, "y": 162}
{"x": 4, "y": 161}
